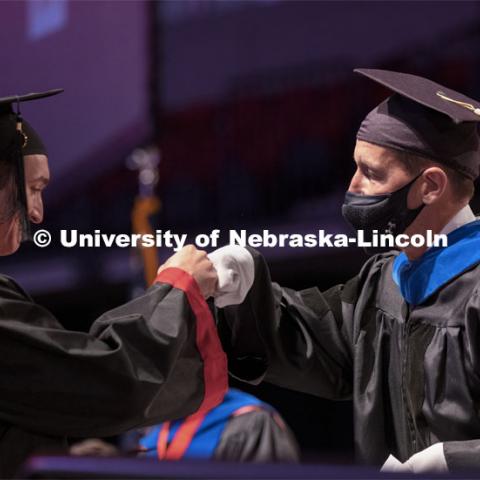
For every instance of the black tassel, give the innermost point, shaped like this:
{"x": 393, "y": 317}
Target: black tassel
{"x": 20, "y": 142}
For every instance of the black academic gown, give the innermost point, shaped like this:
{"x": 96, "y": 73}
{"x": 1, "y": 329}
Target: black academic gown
{"x": 413, "y": 373}
{"x": 258, "y": 436}
{"x": 156, "y": 358}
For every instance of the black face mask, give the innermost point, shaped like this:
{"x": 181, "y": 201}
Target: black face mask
{"x": 386, "y": 213}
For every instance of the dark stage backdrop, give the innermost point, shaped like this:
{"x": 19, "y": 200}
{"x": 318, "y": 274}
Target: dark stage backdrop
{"x": 96, "y": 51}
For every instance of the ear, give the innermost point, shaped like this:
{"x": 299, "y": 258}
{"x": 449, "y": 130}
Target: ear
{"x": 433, "y": 184}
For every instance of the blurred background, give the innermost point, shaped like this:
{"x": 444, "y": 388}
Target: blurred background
{"x": 253, "y": 109}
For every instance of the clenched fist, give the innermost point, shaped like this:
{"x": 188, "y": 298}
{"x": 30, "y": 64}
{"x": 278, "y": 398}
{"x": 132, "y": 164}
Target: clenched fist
{"x": 196, "y": 263}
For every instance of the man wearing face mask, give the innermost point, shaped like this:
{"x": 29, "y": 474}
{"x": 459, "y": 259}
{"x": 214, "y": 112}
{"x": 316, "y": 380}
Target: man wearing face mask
{"x": 402, "y": 338}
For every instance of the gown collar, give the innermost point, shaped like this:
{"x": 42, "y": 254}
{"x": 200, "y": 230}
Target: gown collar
{"x": 462, "y": 217}
{"x": 421, "y": 278}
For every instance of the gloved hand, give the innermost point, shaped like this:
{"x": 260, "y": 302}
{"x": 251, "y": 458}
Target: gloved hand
{"x": 236, "y": 271}
{"x": 431, "y": 460}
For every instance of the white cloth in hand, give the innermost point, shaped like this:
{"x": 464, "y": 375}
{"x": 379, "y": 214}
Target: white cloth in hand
{"x": 430, "y": 460}
{"x": 236, "y": 271}
{"x": 392, "y": 464}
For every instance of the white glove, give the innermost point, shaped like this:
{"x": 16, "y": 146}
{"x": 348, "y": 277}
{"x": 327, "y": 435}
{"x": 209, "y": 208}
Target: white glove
{"x": 392, "y": 464}
{"x": 235, "y": 269}
{"x": 431, "y": 460}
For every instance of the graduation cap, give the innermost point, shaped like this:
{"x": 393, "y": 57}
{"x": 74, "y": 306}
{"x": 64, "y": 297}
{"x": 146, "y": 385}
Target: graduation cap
{"x": 426, "y": 119}
{"x": 17, "y": 139}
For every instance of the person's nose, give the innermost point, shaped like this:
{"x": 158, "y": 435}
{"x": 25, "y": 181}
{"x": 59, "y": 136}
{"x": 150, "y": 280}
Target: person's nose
{"x": 35, "y": 212}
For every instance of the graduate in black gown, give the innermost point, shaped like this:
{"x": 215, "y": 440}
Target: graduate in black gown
{"x": 402, "y": 338}
{"x": 153, "y": 359}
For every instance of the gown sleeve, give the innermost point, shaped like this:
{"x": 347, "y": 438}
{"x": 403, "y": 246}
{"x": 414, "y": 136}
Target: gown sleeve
{"x": 302, "y": 340}
{"x": 465, "y": 454}
{"x": 155, "y": 358}
{"x": 461, "y": 455}
{"x": 257, "y": 436}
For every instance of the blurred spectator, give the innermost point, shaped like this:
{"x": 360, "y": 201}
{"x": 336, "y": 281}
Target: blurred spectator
{"x": 241, "y": 429}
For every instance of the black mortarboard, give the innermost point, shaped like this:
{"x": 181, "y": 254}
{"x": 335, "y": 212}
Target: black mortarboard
{"x": 31, "y": 141}
{"x": 17, "y": 139}
{"x": 426, "y": 119}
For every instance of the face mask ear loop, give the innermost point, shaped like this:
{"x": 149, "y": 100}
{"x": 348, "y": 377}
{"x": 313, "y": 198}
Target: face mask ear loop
{"x": 392, "y": 225}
